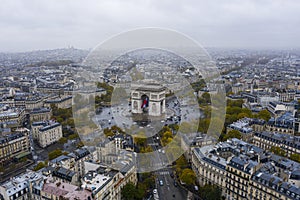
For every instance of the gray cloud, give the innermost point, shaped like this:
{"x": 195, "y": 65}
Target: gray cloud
{"x": 34, "y": 24}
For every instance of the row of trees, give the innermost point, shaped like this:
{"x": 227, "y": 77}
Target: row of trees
{"x": 55, "y": 153}
{"x": 208, "y": 192}
{"x": 40, "y": 165}
{"x": 232, "y": 134}
{"x": 235, "y": 111}
{"x": 65, "y": 117}
{"x": 280, "y": 152}
{"x": 183, "y": 172}
{"x": 105, "y": 98}
{"x": 140, "y": 140}
{"x": 166, "y": 135}
{"x": 138, "y": 192}
{"x": 109, "y": 132}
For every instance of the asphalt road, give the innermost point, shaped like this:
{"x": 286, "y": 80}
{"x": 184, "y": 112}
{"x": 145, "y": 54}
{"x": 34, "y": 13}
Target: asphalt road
{"x": 168, "y": 190}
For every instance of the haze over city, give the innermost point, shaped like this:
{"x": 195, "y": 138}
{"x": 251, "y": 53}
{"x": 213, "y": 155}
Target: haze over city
{"x": 149, "y": 100}
{"x": 36, "y": 25}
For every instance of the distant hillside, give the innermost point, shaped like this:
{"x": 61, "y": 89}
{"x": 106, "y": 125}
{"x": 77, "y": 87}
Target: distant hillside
{"x": 43, "y": 57}
{"x": 50, "y": 63}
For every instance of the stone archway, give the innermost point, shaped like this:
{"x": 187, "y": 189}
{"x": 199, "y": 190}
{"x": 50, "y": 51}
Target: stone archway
{"x": 150, "y": 98}
{"x": 145, "y": 103}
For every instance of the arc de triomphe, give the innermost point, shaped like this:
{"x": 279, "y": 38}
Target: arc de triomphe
{"x": 148, "y": 97}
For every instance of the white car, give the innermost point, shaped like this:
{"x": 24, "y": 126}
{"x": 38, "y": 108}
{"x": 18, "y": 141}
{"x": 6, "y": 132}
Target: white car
{"x": 161, "y": 183}
{"x": 155, "y": 191}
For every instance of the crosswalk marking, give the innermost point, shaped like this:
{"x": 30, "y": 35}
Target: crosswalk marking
{"x": 164, "y": 173}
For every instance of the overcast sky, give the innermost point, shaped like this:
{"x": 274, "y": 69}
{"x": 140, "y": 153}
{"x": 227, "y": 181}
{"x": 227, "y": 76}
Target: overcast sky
{"x": 39, "y": 24}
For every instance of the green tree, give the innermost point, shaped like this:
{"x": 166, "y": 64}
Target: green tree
{"x": 188, "y": 176}
{"x": 116, "y": 129}
{"x": 73, "y": 136}
{"x": 63, "y": 140}
{"x": 181, "y": 163}
{"x": 54, "y": 154}
{"x": 205, "y": 98}
{"x": 264, "y": 114}
{"x": 146, "y": 149}
{"x": 140, "y": 139}
{"x": 39, "y": 166}
{"x": 59, "y": 119}
{"x": 230, "y": 118}
{"x": 108, "y": 132}
{"x": 140, "y": 191}
{"x": 198, "y": 85}
{"x": 80, "y": 144}
{"x": 295, "y": 157}
{"x": 203, "y": 125}
{"x": 150, "y": 182}
{"x": 174, "y": 127}
{"x": 247, "y": 111}
{"x": 112, "y": 131}
{"x": 163, "y": 130}
{"x": 70, "y": 122}
{"x": 128, "y": 191}
{"x": 235, "y": 103}
{"x": 232, "y": 134}
{"x": 278, "y": 151}
{"x": 208, "y": 192}
{"x": 242, "y": 115}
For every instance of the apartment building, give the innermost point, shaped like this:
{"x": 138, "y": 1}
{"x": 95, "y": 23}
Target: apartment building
{"x": 23, "y": 187}
{"x": 60, "y": 102}
{"x": 40, "y": 114}
{"x": 14, "y": 146}
{"x": 11, "y": 116}
{"x": 46, "y": 132}
{"x": 245, "y": 171}
{"x": 267, "y": 140}
{"x": 107, "y": 183}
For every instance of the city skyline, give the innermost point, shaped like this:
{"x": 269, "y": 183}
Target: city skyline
{"x": 156, "y": 100}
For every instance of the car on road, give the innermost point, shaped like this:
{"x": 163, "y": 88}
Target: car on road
{"x": 175, "y": 184}
{"x": 155, "y": 191}
{"x": 172, "y": 175}
{"x": 161, "y": 183}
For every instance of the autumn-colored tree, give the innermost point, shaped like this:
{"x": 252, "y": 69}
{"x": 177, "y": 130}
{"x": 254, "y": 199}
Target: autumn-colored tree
{"x": 39, "y": 166}
{"x": 54, "y": 154}
{"x": 295, "y": 157}
{"x": 278, "y": 151}
{"x": 146, "y": 149}
{"x": 140, "y": 141}
{"x": 188, "y": 176}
